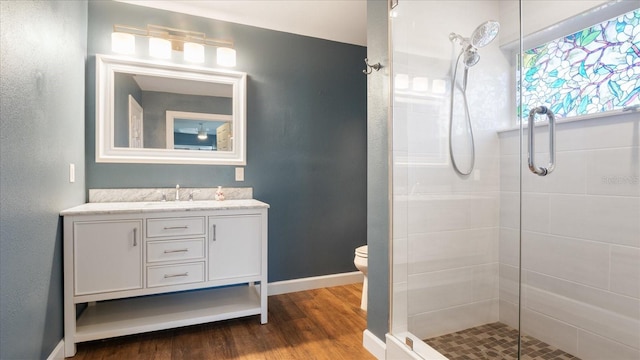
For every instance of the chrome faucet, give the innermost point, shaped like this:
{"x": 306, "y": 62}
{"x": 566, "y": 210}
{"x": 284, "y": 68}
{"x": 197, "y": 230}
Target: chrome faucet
{"x": 178, "y": 192}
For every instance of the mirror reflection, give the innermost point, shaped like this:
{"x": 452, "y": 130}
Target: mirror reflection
{"x": 162, "y": 113}
{"x": 155, "y": 112}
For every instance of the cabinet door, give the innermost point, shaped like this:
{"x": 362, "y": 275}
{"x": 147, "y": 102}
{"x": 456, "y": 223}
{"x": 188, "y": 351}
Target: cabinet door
{"x": 234, "y": 246}
{"x": 107, "y": 256}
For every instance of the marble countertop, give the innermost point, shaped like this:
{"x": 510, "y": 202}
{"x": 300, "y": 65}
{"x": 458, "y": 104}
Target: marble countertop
{"x": 161, "y": 206}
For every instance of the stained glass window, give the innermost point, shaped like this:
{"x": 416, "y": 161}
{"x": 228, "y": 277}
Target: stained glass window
{"x": 592, "y": 71}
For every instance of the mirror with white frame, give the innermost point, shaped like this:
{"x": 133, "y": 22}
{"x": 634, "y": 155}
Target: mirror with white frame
{"x": 152, "y": 112}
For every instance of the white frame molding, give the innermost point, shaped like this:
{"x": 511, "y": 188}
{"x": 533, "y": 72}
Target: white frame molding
{"x": 106, "y": 152}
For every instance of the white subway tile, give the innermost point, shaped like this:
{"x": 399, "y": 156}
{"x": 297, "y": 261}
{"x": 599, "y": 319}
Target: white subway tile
{"x": 509, "y": 142}
{"x": 452, "y": 249}
{"x": 569, "y": 176}
{"x": 400, "y": 133}
{"x": 483, "y": 210}
{"x": 553, "y": 332}
{"x": 400, "y": 260}
{"x": 594, "y": 347}
{"x": 608, "y": 219}
{"x": 587, "y": 317}
{"x": 510, "y": 210}
{"x": 582, "y": 261}
{"x": 509, "y": 173}
{"x": 625, "y": 272}
{"x": 619, "y": 131}
{"x": 437, "y": 213}
{"x": 455, "y": 287}
{"x": 509, "y": 250}
{"x": 508, "y": 313}
{"x": 509, "y": 283}
{"x": 602, "y": 299}
{"x": 614, "y": 172}
{"x": 446, "y": 321}
{"x": 400, "y": 216}
{"x": 432, "y": 213}
{"x": 399, "y": 304}
{"x": 535, "y": 212}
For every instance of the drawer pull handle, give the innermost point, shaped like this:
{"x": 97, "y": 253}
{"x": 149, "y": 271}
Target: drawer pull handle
{"x": 135, "y": 236}
{"x": 166, "y": 276}
{"x": 214, "y": 232}
{"x": 176, "y": 227}
{"x": 175, "y": 251}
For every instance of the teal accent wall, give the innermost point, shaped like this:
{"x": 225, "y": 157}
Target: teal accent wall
{"x": 43, "y": 49}
{"x": 306, "y": 137}
{"x": 378, "y": 171}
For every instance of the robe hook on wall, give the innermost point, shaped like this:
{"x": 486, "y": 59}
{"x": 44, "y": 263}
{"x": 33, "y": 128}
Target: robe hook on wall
{"x": 375, "y": 67}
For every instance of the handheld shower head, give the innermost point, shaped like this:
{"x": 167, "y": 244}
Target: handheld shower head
{"x": 484, "y": 34}
{"x": 481, "y": 36}
{"x": 471, "y": 56}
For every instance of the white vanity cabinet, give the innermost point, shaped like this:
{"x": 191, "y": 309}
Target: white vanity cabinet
{"x": 141, "y": 257}
{"x": 107, "y": 256}
{"x": 234, "y": 250}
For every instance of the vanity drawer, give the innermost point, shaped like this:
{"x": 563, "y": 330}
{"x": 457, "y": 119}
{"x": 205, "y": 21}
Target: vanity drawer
{"x": 175, "y": 226}
{"x": 169, "y": 250}
{"x": 175, "y": 274}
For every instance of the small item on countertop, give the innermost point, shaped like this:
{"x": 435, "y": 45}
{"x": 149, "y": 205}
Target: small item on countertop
{"x": 219, "y": 194}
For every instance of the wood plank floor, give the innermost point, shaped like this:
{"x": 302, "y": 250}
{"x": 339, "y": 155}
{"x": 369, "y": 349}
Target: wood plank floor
{"x": 323, "y": 324}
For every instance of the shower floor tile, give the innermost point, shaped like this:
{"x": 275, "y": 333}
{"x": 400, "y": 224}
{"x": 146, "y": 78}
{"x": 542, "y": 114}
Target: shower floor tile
{"x": 495, "y": 341}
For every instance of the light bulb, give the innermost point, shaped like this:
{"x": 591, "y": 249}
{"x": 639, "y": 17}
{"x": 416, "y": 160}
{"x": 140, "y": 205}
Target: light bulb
{"x": 123, "y": 43}
{"x": 226, "y": 56}
{"x": 202, "y": 134}
{"x": 193, "y": 52}
{"x": 160, "y": 48}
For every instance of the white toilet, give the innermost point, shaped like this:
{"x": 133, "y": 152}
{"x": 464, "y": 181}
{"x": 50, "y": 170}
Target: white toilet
{"x": 361, "y": 263}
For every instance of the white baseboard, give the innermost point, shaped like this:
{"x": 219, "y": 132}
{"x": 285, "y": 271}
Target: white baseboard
{"x": 374, "y": 345}
{"x": 314, "y": 282}
{"x": 58, "y": 352}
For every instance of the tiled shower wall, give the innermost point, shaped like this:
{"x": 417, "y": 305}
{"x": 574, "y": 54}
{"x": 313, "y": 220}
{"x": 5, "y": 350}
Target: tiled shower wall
{"x": 455, "y": 240}
{"x": 581, "y": 238}
{"x": 445, "y": 225}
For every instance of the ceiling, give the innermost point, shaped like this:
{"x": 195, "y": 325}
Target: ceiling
{"x": 338, "y": 20}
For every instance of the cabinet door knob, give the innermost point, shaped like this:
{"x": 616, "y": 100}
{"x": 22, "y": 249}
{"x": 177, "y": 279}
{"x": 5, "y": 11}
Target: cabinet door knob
{"x": 214, "y": 232}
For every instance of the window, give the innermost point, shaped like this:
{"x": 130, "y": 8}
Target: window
{"x": 592, "y": 71}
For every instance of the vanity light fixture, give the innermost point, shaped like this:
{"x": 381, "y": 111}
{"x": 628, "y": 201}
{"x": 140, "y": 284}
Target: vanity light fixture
{"x": 159, "y": 48}
{"x": 123, "y": 43}
{"x": 162, "y": 40}
{"x": 193, "y": 52}
{"x": 202, "y": 134}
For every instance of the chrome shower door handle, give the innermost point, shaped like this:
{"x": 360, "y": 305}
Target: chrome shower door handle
{"x": 538, "y": 170}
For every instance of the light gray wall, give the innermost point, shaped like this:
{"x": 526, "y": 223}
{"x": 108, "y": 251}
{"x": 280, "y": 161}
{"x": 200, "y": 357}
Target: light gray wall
{"x": 306, "y": 137}
{"x": 43, "y": 51}
{"x": 378, "y": 186}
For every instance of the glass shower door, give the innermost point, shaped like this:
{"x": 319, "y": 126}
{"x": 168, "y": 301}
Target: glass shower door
{"x": 509, "y": 243}
{"x": 453, "y": 91}
{"x": 580, "y": 222}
